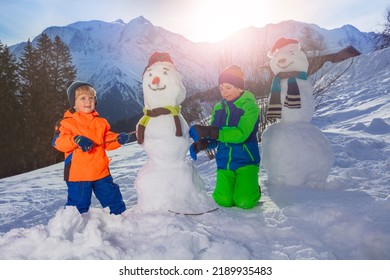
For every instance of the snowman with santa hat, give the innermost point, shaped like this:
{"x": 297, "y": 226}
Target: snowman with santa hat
{"x": 168, "y": 180}
{"x": 295, "y": 153}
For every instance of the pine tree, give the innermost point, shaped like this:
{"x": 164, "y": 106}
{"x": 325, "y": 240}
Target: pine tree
{"x": 10, "y": 138}
{"x": 47, "y": 98}
{"x": 45, "y": 72}
{"x": 29, "y": 94}
{"x": 63, "y": 73}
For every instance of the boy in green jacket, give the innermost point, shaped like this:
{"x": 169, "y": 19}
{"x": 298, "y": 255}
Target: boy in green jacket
{"x": 233, "y": 128}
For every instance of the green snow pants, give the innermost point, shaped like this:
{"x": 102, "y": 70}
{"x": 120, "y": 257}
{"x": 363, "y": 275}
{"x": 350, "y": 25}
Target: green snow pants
{"x": 238, "y": 188}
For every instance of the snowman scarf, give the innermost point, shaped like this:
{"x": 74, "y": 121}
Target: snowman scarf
{"x": 156, "y": 112}
{"x": 293, "y": 98}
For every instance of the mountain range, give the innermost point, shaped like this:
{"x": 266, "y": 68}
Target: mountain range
{"x": 113, "y": 55}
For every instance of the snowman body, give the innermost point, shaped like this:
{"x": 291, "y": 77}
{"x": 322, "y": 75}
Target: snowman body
{"x": 305, "y": 113}
{"x": 295, "y": 153}
{"x": 168, "y": 180}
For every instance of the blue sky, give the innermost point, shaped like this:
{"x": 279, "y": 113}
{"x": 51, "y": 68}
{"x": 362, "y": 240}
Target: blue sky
{"x": 197, "y": 20}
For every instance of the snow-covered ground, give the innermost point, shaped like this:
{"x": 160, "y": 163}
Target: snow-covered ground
{"x": 348, "y": 220}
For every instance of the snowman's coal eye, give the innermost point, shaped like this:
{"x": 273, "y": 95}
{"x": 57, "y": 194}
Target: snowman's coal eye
{"x": 150, "y": 74}
{"x": 165, "y": 72}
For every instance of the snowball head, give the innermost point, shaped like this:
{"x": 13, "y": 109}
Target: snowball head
{"x": 288, "y": 58}
{"x": 162, "y": 86}
{"x": 296, "y": 155}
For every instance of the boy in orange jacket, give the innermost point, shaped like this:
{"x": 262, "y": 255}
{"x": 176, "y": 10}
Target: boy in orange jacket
{"x": 84, "y": 137}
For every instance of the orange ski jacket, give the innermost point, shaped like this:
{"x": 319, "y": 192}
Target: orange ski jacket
{"x": 79, "y": 165}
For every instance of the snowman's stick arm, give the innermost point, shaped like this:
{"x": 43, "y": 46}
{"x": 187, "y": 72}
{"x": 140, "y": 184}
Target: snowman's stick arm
{"x": 107, "y": 142}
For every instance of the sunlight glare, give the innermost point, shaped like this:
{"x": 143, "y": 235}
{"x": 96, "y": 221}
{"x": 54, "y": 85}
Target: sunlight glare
{"x": 219, "y": 19}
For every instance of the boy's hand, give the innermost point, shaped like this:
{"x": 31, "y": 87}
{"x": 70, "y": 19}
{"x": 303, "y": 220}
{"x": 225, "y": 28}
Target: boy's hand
{"x": 123, "y": 138}
{"x": 84, "y": 143}
{"x": 198, "y": 146}
{"x": 200, "y": 132}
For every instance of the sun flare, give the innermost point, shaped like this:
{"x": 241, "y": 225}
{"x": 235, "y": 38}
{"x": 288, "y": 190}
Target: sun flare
{"x": 219, "y": 19}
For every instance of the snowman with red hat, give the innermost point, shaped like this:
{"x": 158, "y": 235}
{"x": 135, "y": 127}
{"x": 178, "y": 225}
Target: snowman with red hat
{"x": 168, "y": 180}
{"x": 295, "y": 153}
{"x": 291, "y": 97}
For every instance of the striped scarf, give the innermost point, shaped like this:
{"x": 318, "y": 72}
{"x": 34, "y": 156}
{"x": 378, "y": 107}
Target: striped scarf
{"x": 156, "y": 112}
{"x": 293, "y": 98}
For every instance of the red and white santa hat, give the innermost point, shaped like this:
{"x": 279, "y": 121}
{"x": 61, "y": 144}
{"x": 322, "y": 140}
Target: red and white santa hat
{"x": 282, "y": 42}
{"x": 158, "y": 57}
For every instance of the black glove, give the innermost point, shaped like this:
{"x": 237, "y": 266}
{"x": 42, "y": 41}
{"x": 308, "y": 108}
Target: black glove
{"x": 84, "y": 143}
{"x": 201, "y": 131}
{"x": 198, "y": 146}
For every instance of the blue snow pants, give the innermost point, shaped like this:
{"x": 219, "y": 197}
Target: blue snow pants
{"x": 105, "y": 190}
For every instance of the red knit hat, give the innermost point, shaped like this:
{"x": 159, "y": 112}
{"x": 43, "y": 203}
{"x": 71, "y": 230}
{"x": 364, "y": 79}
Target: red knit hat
{"x": 232, "y": 75}
{"x": 158, "y": 57}
{"x": 282, "y": 42}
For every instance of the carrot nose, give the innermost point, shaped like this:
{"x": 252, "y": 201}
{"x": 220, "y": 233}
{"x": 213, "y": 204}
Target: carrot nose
{"x": 155, "y": 80}
{"x": 282, "y": 60}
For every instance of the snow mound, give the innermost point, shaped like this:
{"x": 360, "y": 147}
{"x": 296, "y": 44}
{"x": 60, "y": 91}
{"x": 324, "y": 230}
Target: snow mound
{"x": 377, "y": 126}
{"x": 99, "y": 235}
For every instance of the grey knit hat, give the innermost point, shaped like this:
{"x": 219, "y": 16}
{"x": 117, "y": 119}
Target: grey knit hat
{"x": 71, "y": 91}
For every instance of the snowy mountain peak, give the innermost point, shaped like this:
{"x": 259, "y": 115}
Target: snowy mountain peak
{"x": 350, "y": 28}
{"x": 140, "y": 20}
{"x": 120, "y": 21}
